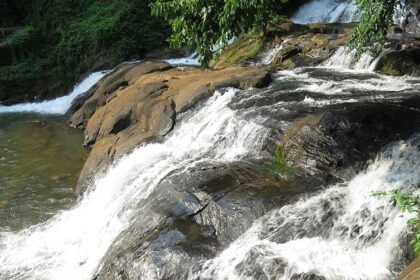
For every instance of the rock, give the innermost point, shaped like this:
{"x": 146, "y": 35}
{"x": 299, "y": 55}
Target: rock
{"x": 307, "y": 276}
{"x": 403, "y": 62}
{"x": 303, "y": 45}
{"x": 190, "y": 216}
{"x": 407, "y": 17}
{"x": 246, "y": 47}
{"x": 412, "y": 272}
{"x": 286, "y": 28}
{"x": 313, "y": 49}
{"x": 331, "y": 28}
{"x": 339, "y": 140}
{"x": 141, "y": 102}
{"x": 85, "y": 106}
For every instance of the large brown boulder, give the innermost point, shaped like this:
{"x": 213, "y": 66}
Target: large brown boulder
{"x": 140, "y": 102}
{"x": 85, "y": 106}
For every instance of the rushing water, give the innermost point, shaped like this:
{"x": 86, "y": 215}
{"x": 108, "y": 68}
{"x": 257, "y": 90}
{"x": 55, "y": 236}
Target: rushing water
{"x": 341, "y": 232}
{"x": 59, "y": 105}
{"x": 328, "y": 11}
{"x": 71, "y": 244}
{"x": 191, "y": 60}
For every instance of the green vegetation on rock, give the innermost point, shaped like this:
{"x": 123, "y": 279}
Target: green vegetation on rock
{"x": 244, "y": 47}
{"x": 410, "y": 203}
{"x": 204, "y": 24}
{"x": 370, "y": 34}
{"x": 280, "y": 164}
{"x": 63, "y": 39}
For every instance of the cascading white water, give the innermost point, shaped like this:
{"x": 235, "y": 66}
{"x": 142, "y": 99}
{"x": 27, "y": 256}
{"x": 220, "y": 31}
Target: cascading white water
{"x": 192, "y": 60}
{"x": 326, "y": 11}
{"x": 269, "y": 56}
{"x": 71, "y": 245}
{"x": 346, "y": 58}
{"x": 343, "y": 232}
{"x": 59, "y": 105}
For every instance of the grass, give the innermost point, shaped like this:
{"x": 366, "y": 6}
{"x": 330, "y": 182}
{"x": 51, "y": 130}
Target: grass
{"x": 280, "y": 165}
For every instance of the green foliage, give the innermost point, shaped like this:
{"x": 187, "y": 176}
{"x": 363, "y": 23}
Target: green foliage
{"x": 62, "y": 39}
{"x": 370, "y": 34}
{"x": 244, "y": 47}
{"x": 410, "y": 203}
{"x": 203, "y": 24}
{"x": 280, "y": 165}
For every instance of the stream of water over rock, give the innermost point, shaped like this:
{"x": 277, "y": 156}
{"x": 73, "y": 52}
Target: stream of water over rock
{"x": 340, "y": 232}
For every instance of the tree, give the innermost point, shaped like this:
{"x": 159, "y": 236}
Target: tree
{"x": 370, "y": 33}
{"x": 203, "y": 24}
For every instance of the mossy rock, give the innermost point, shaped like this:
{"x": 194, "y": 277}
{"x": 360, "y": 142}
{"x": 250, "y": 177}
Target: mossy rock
{"x": 404, "y": 62}
{"x": 245, "y": 47}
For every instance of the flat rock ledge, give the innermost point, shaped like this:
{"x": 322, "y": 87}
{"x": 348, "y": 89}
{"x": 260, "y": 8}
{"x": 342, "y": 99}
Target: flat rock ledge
{"x": 140, "y": 102}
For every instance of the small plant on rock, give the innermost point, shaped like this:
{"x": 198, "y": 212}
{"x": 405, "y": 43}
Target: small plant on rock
{"x": 410, "y": 203}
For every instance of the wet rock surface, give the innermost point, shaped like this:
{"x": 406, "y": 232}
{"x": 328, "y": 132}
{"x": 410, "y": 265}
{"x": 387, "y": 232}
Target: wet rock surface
{"x": 196, "y": 213}
{"x": 141, "y": 102}
{"x": 338, "y": 141}
{"x": 400, "y": 62}
{"x": 302, "y": 45}
{"x": 193, "y": 215}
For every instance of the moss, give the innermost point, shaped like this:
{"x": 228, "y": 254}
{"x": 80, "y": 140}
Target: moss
{"x": 404, "y": 62}
{"x": 245, "y": 47}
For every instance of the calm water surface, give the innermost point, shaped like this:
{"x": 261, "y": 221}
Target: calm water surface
{"x": 40, "y": 160}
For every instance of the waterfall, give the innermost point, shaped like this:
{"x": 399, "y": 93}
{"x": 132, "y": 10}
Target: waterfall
{"x": 194, "y": 58}
{"x": 59, "y": 105}
{"x": 268, "y": 57}
{"x": 344, "y": 232}
{"x": 191, "y": 60}
{"x": 346, "y": 58}
{"x": 327, "y": 11}
{"x": 71, "y": 245}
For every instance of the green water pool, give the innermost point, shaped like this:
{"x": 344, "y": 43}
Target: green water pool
{"x": 40, "y": 160}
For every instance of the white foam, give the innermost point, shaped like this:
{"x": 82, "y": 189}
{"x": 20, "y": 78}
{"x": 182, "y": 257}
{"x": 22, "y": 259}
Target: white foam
{"x": 268, "y": 57}
{"x": 341, "y": 233}
{"x": 192, "y": 60}
{"x": 59, "y": 105}
{"x": 326, "y": 11}
{"x": 70, "y": 246}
